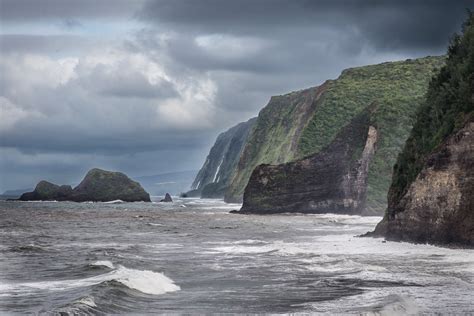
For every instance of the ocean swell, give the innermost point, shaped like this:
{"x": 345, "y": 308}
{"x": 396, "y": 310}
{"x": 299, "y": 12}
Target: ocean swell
{"x": 145, "y": 281}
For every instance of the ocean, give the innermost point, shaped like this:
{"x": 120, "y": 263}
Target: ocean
{"x": 192, "y": 256}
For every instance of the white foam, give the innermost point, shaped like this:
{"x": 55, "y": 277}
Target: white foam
{"x": 145, "y": 281}
{"x": 404, "y": 305}
{"x": 148, "y": 282}
{"x": 104, "y": 263}
{"x": 89, "y": 301}
{"x": 114, "y": 202}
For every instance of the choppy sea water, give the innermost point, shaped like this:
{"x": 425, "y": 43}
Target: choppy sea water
{"x": 192, "y": 256}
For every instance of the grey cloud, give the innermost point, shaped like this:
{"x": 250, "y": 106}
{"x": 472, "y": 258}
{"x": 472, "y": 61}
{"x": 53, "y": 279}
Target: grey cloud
{"x": 44, "y": 44}
{"x": 108, "y": 117}
{"x": 385, "y": 24}
{"x": 126, "y": 84}
{"x": 24, "y": 170}
{"x": 71, "y": 23}
{"x": 63, "y": 10}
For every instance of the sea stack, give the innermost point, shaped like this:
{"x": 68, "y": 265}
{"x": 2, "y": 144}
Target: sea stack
{"x": 167, "y": 198}
{"x": 47, "y": 191}
{"x": 102, "y": 185}
{"x": 97, "y": 186}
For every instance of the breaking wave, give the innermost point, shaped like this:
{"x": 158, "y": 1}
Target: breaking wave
{"x": 145, "y": 281}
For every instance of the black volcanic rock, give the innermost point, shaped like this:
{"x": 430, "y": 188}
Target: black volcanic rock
{"x": 98, "y": 185}
{"x": 47, "y": 191}
{"x": 167, "y": 198}
{"x": 331, "y": 181}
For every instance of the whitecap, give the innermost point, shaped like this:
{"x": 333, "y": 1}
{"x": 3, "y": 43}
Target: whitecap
{"x": 114, "y": 202}
{"x": 89, "y": 301}
{"x": 148, "y": 282}
{"x": 104, "y": 263}
{"x": 145, "y": 281}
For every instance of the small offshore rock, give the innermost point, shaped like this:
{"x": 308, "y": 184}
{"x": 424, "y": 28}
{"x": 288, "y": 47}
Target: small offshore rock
{"x": 167, "y": 198}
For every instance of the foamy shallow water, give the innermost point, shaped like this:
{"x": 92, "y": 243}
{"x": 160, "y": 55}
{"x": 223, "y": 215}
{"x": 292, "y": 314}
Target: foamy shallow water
{"x": 192, "y": 256}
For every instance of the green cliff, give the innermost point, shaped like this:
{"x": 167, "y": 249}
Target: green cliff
{"x": 215, "y": 174}
{"x": 431, "y": 198}
{"x": 301, "y": 123}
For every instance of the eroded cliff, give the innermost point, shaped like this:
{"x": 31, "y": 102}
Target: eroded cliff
{"x": 438, "y": 207}
{"x": 431, "y": 198}
{"x": 302, "y": 123}
{"x": 333, "y": 180}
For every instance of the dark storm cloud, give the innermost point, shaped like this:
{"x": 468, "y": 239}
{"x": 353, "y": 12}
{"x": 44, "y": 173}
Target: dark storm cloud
{"x": 146, "y": 86}
{"x": 66, "y": 10}
{"x": 384, "y": 23}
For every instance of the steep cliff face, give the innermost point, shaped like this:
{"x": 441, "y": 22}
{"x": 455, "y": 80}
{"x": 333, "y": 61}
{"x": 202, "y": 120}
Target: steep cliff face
{"x": 275, "y": 136}
{"x": 302, "y": 123}
{"x": 214, "y": 176}
{"x": 431, "y": 198}
{"x": 438, "y": 206}
{"x": 333, "y": 180}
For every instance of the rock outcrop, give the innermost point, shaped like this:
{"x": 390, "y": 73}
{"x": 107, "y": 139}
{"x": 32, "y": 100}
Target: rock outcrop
{"x": 331, "y": 181}
{"x": 47, "y": 191}
{"x": 102, "y": 185}
{"x": 302, "y": 123}
{"x": 431, "y": 198}
{"x": 98, "y": 185}
{"x": 438, "y": 206}
{"x": 167, "y": 198}
{"x": 214, "y": 176}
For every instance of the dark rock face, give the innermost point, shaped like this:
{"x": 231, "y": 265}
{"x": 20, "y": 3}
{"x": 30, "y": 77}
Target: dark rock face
{"x": 101, "y": 185}
{"x": 298, "y": 124}
{"x": 214, "y": 176}
{"x": 167, "y": 198}
{"x": 331, "y": 181}
{"x": 274, "y": 139}
{"x": 47, "y": 191}
{"x": 98, "y": 185}
{"x": 431, "y": 197}
{"x": 438, "y": 206}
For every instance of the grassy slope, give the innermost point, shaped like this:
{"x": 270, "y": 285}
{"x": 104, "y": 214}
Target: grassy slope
{"x": 449, "y": 103}
{"x": 272, "y": 138}
{"x": 398, "y": 89}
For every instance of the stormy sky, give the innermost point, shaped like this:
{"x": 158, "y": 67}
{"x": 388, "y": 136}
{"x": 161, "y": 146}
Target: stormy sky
{"x": 144, "y": 87}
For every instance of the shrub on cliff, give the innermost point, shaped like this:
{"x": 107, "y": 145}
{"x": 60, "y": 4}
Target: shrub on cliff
{"x": 449, "y": 102}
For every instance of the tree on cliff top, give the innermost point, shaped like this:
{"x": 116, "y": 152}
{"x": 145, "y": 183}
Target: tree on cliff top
{"x": 449, "y": 103}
